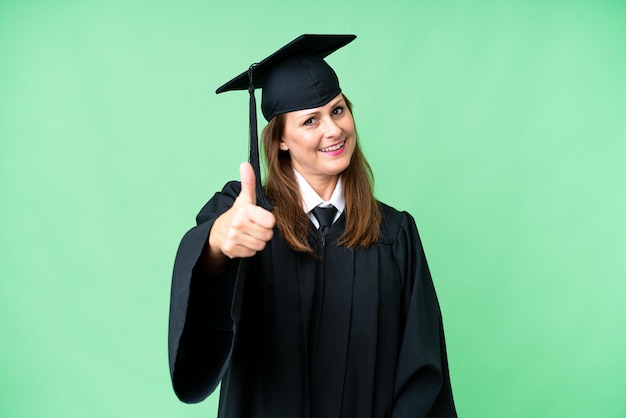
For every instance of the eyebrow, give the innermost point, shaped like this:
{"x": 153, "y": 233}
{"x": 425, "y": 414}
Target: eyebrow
{"x": 338, "y": 101}
{"x": 308, "y": 114}
{"x": 317, "y": 112}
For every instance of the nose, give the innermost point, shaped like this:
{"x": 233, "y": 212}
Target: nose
{"x": 331, "y": 128}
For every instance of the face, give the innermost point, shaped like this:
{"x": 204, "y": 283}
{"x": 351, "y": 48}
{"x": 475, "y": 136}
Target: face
{"x": 320, "y": 141}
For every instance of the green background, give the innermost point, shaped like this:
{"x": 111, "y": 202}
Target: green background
{"x": 499, "y": 125}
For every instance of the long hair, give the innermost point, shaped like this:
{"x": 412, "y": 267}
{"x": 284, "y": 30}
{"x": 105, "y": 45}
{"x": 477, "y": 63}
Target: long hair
{"x": 362, "y": 212}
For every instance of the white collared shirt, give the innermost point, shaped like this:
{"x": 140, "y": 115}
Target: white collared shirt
{"x": 310, "y": 198}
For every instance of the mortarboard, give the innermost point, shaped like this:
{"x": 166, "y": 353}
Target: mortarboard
{"x": 295, "y": 77}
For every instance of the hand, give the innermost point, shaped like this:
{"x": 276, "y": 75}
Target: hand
{"x": 245, "y": 228}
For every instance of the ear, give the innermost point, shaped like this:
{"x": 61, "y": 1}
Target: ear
{"x": 283, "y": 146}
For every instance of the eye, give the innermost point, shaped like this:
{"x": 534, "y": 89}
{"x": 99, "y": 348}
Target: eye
{"x": 309, "y": 122}
{"x": 338, "y": 110}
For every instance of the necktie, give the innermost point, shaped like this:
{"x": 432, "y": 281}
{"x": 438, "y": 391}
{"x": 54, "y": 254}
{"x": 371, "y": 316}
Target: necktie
{"x": 325, "y": 217}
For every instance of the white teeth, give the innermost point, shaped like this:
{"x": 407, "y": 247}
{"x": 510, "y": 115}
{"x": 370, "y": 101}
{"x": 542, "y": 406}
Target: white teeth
{"x": 334, "y": 147}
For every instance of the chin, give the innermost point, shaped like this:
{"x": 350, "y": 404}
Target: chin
{"x": 340, "y": 169}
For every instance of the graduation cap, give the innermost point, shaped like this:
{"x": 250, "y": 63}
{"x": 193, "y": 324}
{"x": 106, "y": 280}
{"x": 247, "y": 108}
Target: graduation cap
{"x": 295, "y": 77}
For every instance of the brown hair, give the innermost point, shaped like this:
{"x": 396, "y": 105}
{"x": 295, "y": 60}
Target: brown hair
{"x": 362, "y": 211}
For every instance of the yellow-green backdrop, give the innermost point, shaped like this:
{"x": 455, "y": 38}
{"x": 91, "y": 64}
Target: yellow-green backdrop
{"x": 500, "y": 125}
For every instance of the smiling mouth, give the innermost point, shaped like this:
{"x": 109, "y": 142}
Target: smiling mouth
{"x": 334, "y": 147}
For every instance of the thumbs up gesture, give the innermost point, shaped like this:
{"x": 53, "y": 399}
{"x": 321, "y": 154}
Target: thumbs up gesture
{"x": 245, "y": 228}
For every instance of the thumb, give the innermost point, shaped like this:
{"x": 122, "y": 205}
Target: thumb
{"x": 246, "y": 174}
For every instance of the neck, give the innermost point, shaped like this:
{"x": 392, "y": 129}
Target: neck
{"x": 323, "y": 186}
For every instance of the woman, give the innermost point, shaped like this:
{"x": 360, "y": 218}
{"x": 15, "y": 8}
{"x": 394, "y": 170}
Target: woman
{"x": 319, "y": 304}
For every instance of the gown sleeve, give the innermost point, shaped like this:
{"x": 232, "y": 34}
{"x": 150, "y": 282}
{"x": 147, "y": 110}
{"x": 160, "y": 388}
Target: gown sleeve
{"x": 422, "y": 384}
{"x": 201, "y": 325}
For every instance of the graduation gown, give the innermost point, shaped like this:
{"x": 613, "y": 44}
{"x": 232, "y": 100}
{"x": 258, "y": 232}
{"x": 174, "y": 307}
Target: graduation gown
{"x": 351, "y": 334}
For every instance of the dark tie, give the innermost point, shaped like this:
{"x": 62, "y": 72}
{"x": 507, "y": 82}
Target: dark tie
{"x": 325, "y": 217}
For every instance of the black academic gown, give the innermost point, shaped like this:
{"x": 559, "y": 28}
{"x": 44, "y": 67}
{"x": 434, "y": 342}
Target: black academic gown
{"x": 353, "y": 334}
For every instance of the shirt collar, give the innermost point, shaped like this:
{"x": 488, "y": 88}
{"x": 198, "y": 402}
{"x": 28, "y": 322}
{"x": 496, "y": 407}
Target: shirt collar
{"x": 310, "y": 198}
